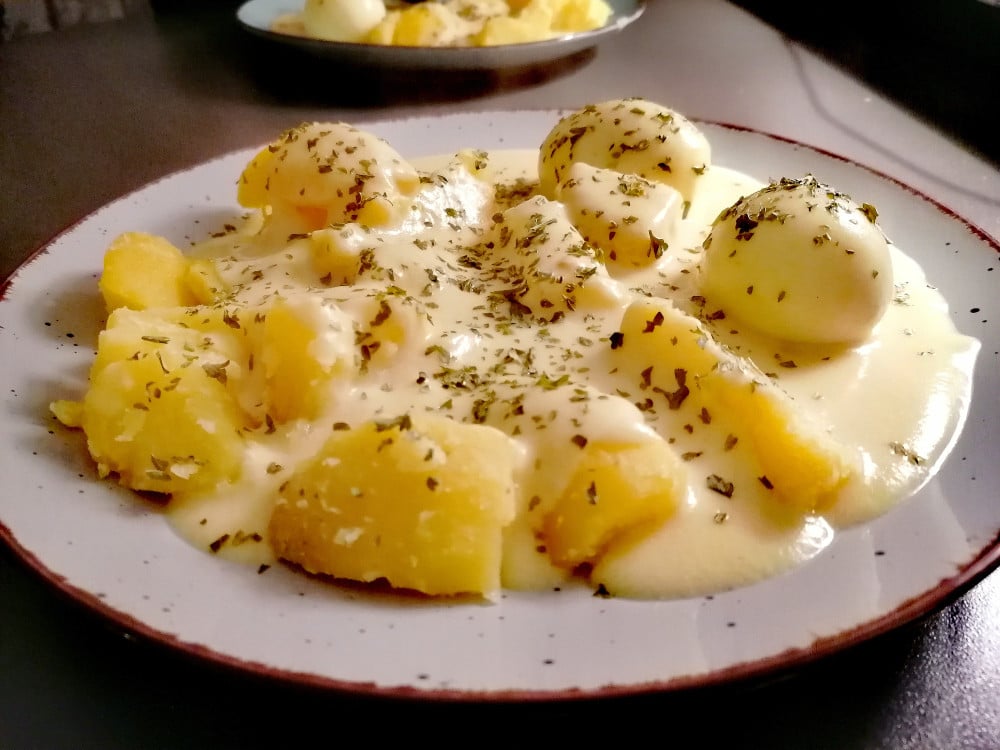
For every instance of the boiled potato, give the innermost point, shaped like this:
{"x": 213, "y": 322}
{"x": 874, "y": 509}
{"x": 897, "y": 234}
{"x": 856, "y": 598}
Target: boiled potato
{"x": 446, "y": 23}
{"x": 142, "y": 271}
{"x": 427, "y": 25}
{"x": 421, "y": 503}
{"x": 548, "y": 264}
{"x": 176, "y": 336}
{"x": 300, "y": 345}
{"x": 202, "y": 280}
{"x": 536, "y": 20}
{"x": 532, "y": 24}
{"x": 578, "y": 15}
{"x": 632, "y": 136}
{"x": 616, "y": 495}
{"x": 384, "y": 32}
{"x": 160, "y": 412}
{"x": 434, "y": 24}
{"x": 674, "y": 356}
{"x": 253, "y": 185}
{"x": 337, "y": 253}
{"x": 631, "y": 219}
{"x": 162, "y": 432}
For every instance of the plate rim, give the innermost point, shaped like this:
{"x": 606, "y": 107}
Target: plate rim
{"x": 948, "y": 589}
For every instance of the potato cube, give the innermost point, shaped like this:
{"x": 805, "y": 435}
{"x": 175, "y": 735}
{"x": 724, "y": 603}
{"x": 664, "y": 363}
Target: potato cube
{"x": 425, "y": 25}
{"x": 143, "y": 271}
{"x": 203, "y": 281}
{"x": 631, "y": 219}
{"x": 617, "y": 494}
{"x": 301, "y": 345}
{"x": 532, "y": 25}
{"x": 580, "y": 15}
{"x": 337, "y": 253}
{"x": 69, "y": 413}
{"x": 252, "y": 187}
{"x": 664, "y": 346}
{"x": 420, "y": 503}
{"x": 385, "y": 30}
{"x": 175, "y": 336}
{"x": 555, "y": 271}
{"x": 161, "y": 410}
{"x": 163, "y": 430}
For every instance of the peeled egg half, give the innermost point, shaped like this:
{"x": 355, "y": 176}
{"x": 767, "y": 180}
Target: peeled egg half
{"x": 341, "y": 20}
{"x": 799, "y": 261}
{"x": 631, "y": 136}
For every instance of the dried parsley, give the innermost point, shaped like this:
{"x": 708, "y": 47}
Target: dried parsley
{"x": 717, "y": 484}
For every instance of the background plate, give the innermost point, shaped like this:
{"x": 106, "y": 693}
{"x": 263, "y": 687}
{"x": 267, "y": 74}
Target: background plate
{"x": 256, "y": 17}
{"x": 112, "y": 551}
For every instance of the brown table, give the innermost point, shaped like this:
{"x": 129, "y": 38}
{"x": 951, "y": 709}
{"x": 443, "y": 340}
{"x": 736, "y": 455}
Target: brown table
{"x": 91, "y": 112}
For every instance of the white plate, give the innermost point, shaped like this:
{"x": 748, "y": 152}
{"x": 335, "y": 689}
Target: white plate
{"x": 112, "y": 551}
{"x": 256, "y": 17}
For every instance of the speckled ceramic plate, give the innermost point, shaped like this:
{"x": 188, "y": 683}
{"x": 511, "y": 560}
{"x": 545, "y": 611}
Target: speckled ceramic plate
{"x": 112, "y": 551}
{"x": 257, "y": 16}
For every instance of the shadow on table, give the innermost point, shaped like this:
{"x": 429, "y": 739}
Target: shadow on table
{"x": 212, "y": 55}
{"x": 297, "y": 78}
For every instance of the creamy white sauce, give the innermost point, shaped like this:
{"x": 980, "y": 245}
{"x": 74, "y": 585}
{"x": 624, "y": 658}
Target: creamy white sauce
{"x": 894, "y": 402}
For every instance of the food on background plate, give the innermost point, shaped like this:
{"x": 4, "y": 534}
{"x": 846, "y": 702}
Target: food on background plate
{"x": 443, "y": 23}
{"x": 607, "y": 360}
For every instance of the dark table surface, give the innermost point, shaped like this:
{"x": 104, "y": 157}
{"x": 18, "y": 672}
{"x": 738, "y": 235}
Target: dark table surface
{"x": 91, "y": 112}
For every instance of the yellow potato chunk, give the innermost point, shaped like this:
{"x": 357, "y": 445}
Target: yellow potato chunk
{"x": 420, "y": 503}
{"x": 532, "y": 24}
{"x": 631, "y": 219}
{"x": 290, "y": 371}
{"x": 252, "y": 186}
{"x": 202, "y": 280}
{"x": 385, "y": 30}
{"x": 337, "y": 252}
{"x": 162, "y": 432}
{"x": 550, "y": 268}
{"x": 177, "y": 337}
{"x": 69, "y": 413}
{"x": 675, "y": 356}
{"x": 142, "y": 271}
{"x": 617, "y": 494}
{"x": 301, "y": 344}
{"x": 426, "y": 25}
{"x": 486, "y": 22}
{"x": 578, "y": 15}
{"x": 158, "y": 412}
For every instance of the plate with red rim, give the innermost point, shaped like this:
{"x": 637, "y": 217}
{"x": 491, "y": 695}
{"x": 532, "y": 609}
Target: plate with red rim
{"x": 257, "y": 17}
{"x": 114, "y": 552}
